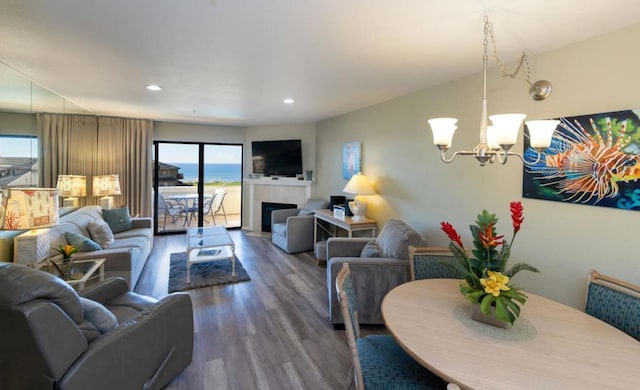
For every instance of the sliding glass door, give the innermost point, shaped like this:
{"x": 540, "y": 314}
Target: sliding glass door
{"x": 197, "y": 184}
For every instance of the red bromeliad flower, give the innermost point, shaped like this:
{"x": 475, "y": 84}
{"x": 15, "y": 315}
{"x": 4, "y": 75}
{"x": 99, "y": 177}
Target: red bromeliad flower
{"x": 516, "y": 215}
{"x": 488, "y": 239}
{"x": 451, "y": 233}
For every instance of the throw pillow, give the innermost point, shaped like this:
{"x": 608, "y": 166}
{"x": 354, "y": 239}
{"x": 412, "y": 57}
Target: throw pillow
{"x": 98, "y": 315}
{"x": 119, "y": 220}
{"x": 395, "y": 238}
{"x": 82, "y": 243}
{"x": 370, "y": 250}
{"x": 101, "y": 233}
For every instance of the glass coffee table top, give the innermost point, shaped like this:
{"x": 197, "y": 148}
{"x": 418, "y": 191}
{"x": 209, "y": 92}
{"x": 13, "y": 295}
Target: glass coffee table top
{"x": 79, "y": 271}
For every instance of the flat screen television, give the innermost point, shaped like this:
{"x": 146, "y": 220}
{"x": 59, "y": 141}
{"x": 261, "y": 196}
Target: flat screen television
{"x": 277, "y": 158}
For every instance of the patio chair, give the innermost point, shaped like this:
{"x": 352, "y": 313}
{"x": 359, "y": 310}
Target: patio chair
{"x": 169, "y": 209}
{"x": 615, "y": 302}
{"x": 378, "y": 361}
{"x": 217, "y": 205}
{"x": 427, "y": 263}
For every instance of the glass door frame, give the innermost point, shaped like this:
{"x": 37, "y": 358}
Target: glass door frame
{"x": 201, "y": 183}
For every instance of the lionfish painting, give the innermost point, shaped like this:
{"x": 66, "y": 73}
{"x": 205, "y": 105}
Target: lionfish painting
{"x": 593, "y": 159}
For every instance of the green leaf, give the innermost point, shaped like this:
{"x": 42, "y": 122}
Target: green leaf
{"x": 474, "y": 296}
{"x": 485, "y": 304}
{"x": 502, "y": 313}
{"x": 520, "y": 267}
{"x": 513, "y": 307}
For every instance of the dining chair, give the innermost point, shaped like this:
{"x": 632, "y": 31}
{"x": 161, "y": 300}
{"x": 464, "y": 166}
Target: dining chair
{"x": 428, "y": 262}
{"x": 615, "y": 302}
{"x": 378, "y": 361}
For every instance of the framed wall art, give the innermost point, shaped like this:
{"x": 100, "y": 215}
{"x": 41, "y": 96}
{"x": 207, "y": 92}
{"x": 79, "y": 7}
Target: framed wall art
{"x": 593, "y": 159}
{"x": 351, "y": 159}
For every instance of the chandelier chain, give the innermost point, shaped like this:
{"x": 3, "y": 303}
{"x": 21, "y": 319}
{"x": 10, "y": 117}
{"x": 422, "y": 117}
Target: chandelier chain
{"x": 524, "y": 59}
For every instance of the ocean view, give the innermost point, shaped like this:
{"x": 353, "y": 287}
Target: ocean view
{"x": 212, "y": 172}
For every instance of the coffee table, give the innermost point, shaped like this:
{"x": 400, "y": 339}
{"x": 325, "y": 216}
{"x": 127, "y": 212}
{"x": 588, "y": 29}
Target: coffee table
{"x": 210, "y": 243}
{"x": 81, "y": 271}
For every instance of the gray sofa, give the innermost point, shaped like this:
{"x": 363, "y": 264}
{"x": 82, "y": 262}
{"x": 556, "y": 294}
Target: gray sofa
{"x": 125, "y": 257}
{"x": 292, "y": 229}
{"x": 377, "y": 265}
{"x": 105, "y": 337}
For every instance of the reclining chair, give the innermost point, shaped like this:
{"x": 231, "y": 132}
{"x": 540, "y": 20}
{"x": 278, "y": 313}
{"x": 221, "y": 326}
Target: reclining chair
{"x": 105, "y": 338}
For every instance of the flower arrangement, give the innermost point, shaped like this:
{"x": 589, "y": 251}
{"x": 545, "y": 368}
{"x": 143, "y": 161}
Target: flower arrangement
{"x": 487, "y": 280}
{"x": 66, "y": 251}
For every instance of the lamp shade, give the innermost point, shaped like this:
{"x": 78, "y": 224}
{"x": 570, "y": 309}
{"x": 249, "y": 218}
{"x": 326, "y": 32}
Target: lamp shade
{"x": 72, "y": 185}
{"x": 28, "y": 208}
{"x": 359, "y": 184}
{"x": 443, "y": 129}
{"x": 106, "y": 185}
{"x": 541, "y": 132}
{"x": 506, "y": 127}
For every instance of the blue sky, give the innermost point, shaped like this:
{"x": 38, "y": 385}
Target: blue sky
{"x": 188, "y": 153}
{"x": 18, "y": 147}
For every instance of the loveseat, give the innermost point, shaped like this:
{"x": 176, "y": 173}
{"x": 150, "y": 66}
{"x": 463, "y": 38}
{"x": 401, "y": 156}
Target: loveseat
{"x": 377, "y": 265}
{"x": 104, "y": 337}
{"x": 125, "y": 255}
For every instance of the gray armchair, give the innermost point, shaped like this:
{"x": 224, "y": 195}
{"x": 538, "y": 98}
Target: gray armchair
{"x": 292, "y": 229}
{"x": 377, "y": 265}
{"x": 105, "y": 338}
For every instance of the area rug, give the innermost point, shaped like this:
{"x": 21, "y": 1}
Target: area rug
{"x": 211, "y": 273}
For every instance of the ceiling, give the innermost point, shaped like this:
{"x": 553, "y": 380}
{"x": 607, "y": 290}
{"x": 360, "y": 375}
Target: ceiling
{"x": 232, "y": 62}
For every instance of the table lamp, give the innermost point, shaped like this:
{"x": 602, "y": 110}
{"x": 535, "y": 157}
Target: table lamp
{"x": 70, "y": 187}
{"x": 29, "y": 208}
{"x": 106, "y": 186}
{"x": 360, "y": 186}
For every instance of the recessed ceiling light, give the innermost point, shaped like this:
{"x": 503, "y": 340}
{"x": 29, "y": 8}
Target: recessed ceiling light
{"x": 288, "y": 101}
{"x": 154, "y": 87}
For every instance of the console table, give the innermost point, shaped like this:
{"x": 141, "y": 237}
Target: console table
{"x": 346, "y": 223}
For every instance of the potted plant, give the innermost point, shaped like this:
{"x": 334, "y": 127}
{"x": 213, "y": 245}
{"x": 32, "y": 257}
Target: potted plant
{"x": 487, "y": 279}
{"x": 65, "y": 265}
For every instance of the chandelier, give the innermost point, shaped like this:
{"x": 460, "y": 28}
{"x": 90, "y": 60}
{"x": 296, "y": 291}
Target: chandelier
{"x": 496, "y": 140}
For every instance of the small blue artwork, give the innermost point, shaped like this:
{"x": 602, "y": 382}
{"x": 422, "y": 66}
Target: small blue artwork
{"x": 351, "y": 159}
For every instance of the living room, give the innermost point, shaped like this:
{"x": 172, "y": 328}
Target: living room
{"x": 562, "y": 239}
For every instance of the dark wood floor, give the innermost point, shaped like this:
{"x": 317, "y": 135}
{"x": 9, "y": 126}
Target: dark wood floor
{"x": 272, "y": 332}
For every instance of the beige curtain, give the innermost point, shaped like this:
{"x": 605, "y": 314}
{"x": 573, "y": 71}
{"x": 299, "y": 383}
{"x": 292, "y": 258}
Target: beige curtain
{"x": 92, "y": 146}
{"x": 125, "y": 148}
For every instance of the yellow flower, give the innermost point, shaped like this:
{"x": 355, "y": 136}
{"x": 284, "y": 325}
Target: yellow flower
{"x": 495, "y": 283}
{"x": 67, "y": 250}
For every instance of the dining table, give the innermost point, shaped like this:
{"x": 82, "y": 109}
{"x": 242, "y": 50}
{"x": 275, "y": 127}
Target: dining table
{"x": 188, "y": 204}
{"x": 550, "y": 346}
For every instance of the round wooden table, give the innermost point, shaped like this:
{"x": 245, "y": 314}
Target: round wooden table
{"x": 551, "y": 345}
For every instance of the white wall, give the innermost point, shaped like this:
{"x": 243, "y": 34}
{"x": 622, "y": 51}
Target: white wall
{"x": 305, "y": 132}
{"x": 563, "y": 240}
{"x": 17, "y": 123}
{"x": 193, "y": 132}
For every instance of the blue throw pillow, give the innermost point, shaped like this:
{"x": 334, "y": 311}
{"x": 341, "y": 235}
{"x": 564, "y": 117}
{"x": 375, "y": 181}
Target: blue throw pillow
{"x": 82, "y": 243}
{"x": 119, "y": 220}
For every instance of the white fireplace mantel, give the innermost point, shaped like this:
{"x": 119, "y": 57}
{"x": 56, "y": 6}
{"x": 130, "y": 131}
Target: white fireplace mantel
{"x": 280, "y": 190}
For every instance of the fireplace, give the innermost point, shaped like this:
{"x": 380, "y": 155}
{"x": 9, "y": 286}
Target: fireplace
{"x": 268, "y": 207}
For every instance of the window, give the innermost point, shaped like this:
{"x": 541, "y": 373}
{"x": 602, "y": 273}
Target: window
{"x": 18, "y": 161}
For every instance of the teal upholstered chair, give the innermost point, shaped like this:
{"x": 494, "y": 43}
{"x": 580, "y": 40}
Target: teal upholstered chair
{"x": 427, "y": 263}
{"x": 615, "y": 302}
{"x": 378, "y": 361}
